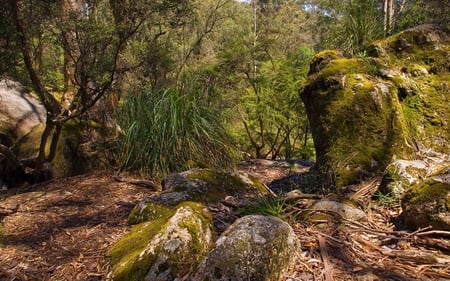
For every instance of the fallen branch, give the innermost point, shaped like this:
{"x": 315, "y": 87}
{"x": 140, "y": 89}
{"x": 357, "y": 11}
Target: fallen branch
{"x": 143, "y": 183}
{"x": 328, "y": 267}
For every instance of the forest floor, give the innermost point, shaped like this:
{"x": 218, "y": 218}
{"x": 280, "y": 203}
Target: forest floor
{"x": 62, "y": 230}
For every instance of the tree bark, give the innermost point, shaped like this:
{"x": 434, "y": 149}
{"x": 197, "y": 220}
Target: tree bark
{"x": 388, "y": 16}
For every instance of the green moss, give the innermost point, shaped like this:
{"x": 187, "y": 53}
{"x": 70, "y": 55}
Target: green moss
{"x": 125, "y": 255}
{"x": 321, "y": 59}
{"x": 362, "y": 118}
{"x": 349, "y": 66}
{"x": 364, "y": 125}
{"x": 424, "y": 204}
{"x": 148, "y": 212}
{"x": 133, "y": 256}
{"x": 217, "y": 185}
{"x": 428, "y": 191}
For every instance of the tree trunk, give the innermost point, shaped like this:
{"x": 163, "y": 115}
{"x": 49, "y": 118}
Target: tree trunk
{"x": 388, "y": 16}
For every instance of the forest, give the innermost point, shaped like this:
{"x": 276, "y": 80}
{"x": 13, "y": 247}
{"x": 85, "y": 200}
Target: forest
{"x": 187, "y": 83}
{"x": 277, "y": 140}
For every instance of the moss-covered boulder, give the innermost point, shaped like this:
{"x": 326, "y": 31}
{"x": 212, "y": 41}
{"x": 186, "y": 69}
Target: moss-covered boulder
{"x": 222, "y": 192}
{"x": 367, "y": 112}
{"x": 427, "y": 204}
{"x": 209, "y": 186}
{"x": 165, "y": 247}
{"x": 255, "y": 248}
{"x": 74, "y": 151}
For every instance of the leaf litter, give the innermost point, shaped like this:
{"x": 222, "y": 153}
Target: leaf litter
{"x": 63, "y": 229}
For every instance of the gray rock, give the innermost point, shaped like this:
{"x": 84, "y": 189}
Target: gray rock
{"x": 19, "y": 112}
{"x": 428, "y": 204}
{"x": 366, "y": 113}
{"x": 255, "y": 248}
{"x": 161, "y": 249}
{"x": 344, "y": 210}
{"x": 209, "y": 186}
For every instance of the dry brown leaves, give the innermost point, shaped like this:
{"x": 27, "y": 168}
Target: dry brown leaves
{"x": 62, "y": 229}
{"x": 370, "y": 251}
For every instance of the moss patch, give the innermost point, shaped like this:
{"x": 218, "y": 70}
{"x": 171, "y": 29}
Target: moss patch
{"x": 165, "y": 246}
{"x": 427, "y": 204}
{"x": 143, "y": 212}
{"x": 211, "y": 186}
{"x": 367, "y": 112}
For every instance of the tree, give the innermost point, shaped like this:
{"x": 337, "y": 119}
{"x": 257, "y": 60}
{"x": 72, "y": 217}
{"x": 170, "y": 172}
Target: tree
{"x": 411, "y": 13}
{"x": 259, "y": 79}
{"x": 85, "y": 40}
{"x": 349, "y": 24}
{"x": 388, "y": 9}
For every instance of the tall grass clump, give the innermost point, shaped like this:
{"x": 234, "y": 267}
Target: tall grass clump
{"x": 172, "y": 130}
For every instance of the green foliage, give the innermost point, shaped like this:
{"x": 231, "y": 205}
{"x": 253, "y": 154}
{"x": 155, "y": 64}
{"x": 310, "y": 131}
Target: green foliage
{"x": 349, "y": 25}
{"x": 267, "y": 206}
{"x": 416, "y": 12}
{"x": 273, "y": 115}
{"x": 386, "y": 200}
{"x": 172, "y": 130}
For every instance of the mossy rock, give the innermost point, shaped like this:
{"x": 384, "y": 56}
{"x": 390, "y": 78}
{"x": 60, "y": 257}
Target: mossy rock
{"x": 365, "y": 113}
{"x": 332, "y": 210}
{"x": 69, "y": 159}
{"x": 258, "y": 248}
{"x": 148, "y": 211}
{"x": 427, "y": 204}
{"x": 165, "y": 247}
{"x": 209, "y": 186}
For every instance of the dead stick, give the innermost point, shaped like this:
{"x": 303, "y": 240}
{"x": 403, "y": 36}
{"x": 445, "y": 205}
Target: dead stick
{"x": 434, "y": 232}
{"x": 328, "y": 267}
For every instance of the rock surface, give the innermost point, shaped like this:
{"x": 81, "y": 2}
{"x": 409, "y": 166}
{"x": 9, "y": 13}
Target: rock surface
{"x": 222, "y": 192}
{"x": 344, "y": 210}
{"x": 209, "y": 186}
{"x": 428, "y": 204}
{"x": 20, "y": 112}
{"x": 255, "y": 248}
{"x": 368, "y": 112}
{"x": 162, "y": 249}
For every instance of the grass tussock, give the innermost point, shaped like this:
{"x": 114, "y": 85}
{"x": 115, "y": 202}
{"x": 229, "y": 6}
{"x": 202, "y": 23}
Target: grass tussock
{"x": 171, "y": 130}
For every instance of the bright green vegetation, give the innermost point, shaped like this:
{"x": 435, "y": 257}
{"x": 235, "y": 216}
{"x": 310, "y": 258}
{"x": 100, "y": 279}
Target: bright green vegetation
{"x": 266, "y": 205}
{"x": 386, "y": 200}
{"x": 175, "y": 241}
{"x": 148, "y": 212}
{"x": 427, "y": 203}
{"x": 171, "y": 131}
{"x": 363, "y": 118}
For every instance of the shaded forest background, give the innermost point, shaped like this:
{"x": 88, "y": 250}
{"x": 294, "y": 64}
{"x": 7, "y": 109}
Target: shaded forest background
{"x": 182, "y": 84}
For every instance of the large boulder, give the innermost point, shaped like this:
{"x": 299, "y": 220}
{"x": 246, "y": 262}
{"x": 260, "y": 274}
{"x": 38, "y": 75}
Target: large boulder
{"x": 256, "y": 248}
{"x": 428, "y": 203}
{"x": 330, "y": 209}
{"x": 20, "y": 112}
{"x": 163, "y": 248}
{"x": 222, "y": 192}
{"x": 210, "y": 186}
{"x": 390, "y": 104}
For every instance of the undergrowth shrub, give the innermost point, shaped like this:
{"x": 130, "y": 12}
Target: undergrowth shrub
{"x": 170, "y": 131}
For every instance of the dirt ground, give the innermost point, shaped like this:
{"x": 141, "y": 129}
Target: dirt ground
{"x": 63, "y": 229}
